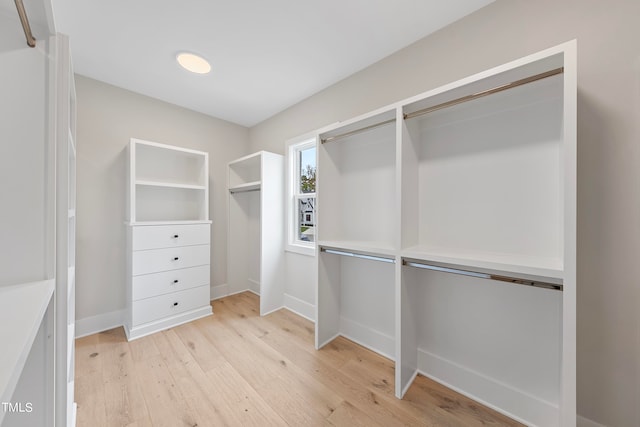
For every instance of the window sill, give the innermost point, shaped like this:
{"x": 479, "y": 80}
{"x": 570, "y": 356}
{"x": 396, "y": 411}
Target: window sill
{"x": 301, "y": 250}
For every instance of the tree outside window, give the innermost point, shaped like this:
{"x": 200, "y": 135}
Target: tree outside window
{"x": 305, "y": 195}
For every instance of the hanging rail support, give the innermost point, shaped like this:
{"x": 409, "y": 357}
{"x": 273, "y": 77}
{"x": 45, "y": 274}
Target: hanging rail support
{"x": 31, "y": 41}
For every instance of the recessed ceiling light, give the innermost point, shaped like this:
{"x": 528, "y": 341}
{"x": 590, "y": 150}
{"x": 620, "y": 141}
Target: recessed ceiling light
{"x": 193, "y": 63}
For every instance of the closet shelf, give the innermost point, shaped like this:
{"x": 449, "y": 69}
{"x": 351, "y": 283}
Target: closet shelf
{"x": 526, "y": 267}
{"x": 249, "y": 186}
{"x": 150, "y": 183}
{"x": 380, "y": 249}
{"x": 22, "y": 309}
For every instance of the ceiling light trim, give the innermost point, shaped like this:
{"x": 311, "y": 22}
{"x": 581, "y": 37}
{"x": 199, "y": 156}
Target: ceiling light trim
{"x": 193, "y": 62}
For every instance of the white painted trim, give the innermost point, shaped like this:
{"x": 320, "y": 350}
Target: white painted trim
{"x": 219, "y": 291}
{"x": 99, "y": 323}
{"x": 300, "y": 307}
{"x": 168, "y": 322}
{"x": 586, "y": 422}
{"x": 254, "y": 286}
{"x": 365, "y": 336}
{"x": 489, "y": 391}
{"x": 322, "y": 344}
{"x": 291, "y": 243}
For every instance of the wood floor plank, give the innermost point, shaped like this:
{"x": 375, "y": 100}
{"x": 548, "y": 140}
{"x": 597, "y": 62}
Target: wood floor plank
{"x": 124, "y": 400}
{"x": 236, "y": 368}
{"x": 166, "y": 404}
{"x": 243, "y": 400}
{"x": 89, "y": 387}
{"x": 203, "y": 395}
{"x": 348, "y": 415}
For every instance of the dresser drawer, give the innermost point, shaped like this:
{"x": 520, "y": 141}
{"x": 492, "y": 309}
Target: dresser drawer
{"x": 169, "y": 236}
{"x": 162, "y": 306}
{"x": 151, "y": 285}
{"x": 156, "y": 260}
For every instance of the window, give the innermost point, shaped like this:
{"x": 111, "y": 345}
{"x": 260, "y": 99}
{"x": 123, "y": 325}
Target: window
{"x": 302, "y": 196}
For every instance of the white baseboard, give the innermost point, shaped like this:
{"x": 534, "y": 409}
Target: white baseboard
{"x": 219, "y": 291}
{"x": 300, "y": 307}
{"x": 505, "y": 399}
{"x": 254, "y": 286}
{"x": 365, "y": 336}
{"x": 586, "y": 422}
{"x": 159, "y": 325}
{"x": 100, "y": 323}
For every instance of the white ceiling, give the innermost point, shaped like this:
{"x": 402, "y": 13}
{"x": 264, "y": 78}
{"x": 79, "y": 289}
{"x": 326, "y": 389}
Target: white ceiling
{"x": 266, "y": 54}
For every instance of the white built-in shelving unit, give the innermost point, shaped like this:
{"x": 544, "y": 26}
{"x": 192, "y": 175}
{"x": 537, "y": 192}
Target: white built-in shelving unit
{"x": 256, "y": 228}
{"x": 168, "y": 237}
{"x": 37, "y": 270}
{"x": 446, "y": 227}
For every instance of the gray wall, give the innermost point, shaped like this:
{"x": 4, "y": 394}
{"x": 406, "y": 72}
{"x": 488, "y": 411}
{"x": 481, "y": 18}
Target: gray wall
{"x": 107, "y": 118}
{"x": 608, "y": 34}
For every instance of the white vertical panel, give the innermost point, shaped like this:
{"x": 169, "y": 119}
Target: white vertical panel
{"x": 272, "y": 230}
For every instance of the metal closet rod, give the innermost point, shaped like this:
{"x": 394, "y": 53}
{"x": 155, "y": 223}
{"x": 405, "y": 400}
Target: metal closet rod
{"x": 357, "y": 255}
{"x": 484, "y": 93}
{"x": 451, "y": 103}
{"x": 508, "y": 279}
{"x": 31, "y": 41}
{"x": 243, "y": 191}
{"x": 353, "y": 132}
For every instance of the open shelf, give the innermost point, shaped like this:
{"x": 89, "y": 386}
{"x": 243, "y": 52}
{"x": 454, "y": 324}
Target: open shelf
{"x": 25, "y": 305}
{"x": 162, "y": 163}
{"x": 245, "y": 170}
{"x": 255, "y": 242}
{"x": 167, "y": 183}
{"x": 500, "y": 343}
{"x": 356, "y": 300}
{"x": 170, "y": 204}
{"x": 485, "y": 176}
{"x": 357, "y": 181}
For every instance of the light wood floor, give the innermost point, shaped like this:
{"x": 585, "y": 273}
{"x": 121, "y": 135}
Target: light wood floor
{"x": 237, "y": 368}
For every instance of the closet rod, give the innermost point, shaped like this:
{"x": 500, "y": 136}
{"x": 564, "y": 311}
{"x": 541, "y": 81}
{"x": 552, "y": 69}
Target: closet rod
{"x": 473, "y": 96}
{"x": 508, "y": 279}
{"x": 31, "y": 41}
{"x": 243, "y": 191}
{"x": 353, "y": 132}
{"x": 357, "y": 255}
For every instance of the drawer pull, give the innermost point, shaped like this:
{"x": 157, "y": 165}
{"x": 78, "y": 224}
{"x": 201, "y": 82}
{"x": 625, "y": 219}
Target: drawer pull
{"x": 175, "y": 304}
{"x": 175, "y": 281}
{"x": 176, "y": 258}
{"x": 175, "y": 236}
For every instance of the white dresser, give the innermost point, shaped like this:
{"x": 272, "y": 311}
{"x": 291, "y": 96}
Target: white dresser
{"x": 168, "y": 238}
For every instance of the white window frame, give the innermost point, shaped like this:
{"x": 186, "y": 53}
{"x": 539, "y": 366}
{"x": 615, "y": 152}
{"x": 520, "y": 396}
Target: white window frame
{"x": 294, "y": 146}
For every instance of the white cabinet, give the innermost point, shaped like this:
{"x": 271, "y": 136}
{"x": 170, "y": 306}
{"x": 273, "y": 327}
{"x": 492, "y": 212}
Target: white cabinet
{"x": 168, "y": 237}
{"x": 447, "y": 236}
{"x": 256, "y": 228}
